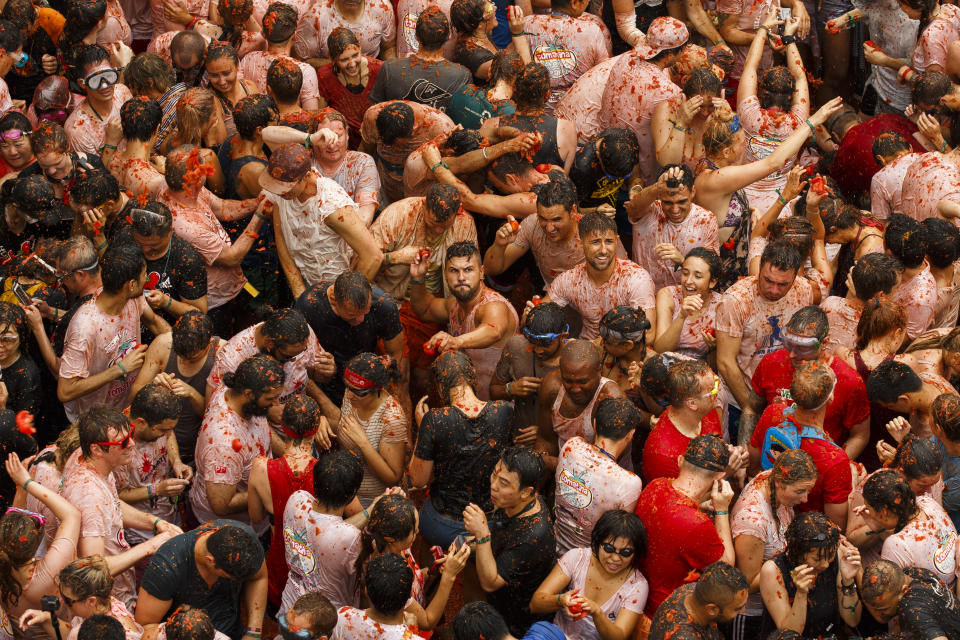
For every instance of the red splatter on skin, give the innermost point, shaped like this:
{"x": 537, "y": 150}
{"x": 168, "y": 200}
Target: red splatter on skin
{"x": 236, "y": 444}
{"x": 543, "y": 168}
{"x": 424, "y": 254}
{"x": 514, "y": 225}
{"x": 25, "y": 423}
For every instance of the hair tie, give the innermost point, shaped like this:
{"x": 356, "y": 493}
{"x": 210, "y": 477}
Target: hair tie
{"x": 735, "y": 124}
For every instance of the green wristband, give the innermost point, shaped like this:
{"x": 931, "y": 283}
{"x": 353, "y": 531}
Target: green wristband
{"x": 123, "y": 369}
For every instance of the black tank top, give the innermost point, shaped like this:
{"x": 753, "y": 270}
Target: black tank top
{"x": 188, "y": 426}
{"x": 549, "y": 152}
{"x": 822, "y": 618}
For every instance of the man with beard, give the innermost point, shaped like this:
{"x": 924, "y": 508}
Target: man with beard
{"x": 234, "y": 432}
{"x": 568, "y": 400}
{"x": 525, "y": 360}
{"x": 286, "y": 337}
{"x": 479, "y": 320}
{"x": 921, "y": 603}
{"x": 694, "y": 610}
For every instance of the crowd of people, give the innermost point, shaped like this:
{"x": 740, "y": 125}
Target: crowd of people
{"x": 483, "y": 320}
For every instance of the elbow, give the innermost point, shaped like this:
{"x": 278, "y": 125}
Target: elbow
{"x": 488, "y": 586}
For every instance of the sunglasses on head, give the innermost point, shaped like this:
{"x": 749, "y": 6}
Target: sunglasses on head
{"x": 626, "y": 552}
{"x": 543, "y": 339}
{"x": 612, "y": 335}
{"x": 40, "y": 519}
{"x": 122, "y": 443}
{"x": 14, "y": 134}
{"x": 102, "y": 79}
{"x": 289, "y": 632}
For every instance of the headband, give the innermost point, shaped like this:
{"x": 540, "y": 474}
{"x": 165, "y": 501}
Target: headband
{"x": 358, "y": 381}
{"x": 297, "y": 436}
{"x": 735, "y": 124}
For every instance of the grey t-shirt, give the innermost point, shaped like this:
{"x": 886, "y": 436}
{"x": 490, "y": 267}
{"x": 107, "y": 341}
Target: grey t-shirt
{"x": 431, "y": 83}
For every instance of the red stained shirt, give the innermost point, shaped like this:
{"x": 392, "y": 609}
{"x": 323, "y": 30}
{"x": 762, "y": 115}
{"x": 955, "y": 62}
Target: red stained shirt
{"x": 854, "y": 166}
{"x": 665, "y": 443}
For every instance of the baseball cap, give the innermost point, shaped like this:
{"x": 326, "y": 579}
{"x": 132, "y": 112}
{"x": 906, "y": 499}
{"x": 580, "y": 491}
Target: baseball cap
{"x": 664, "y": 33}
{"x": 707, "y": 452}
{"x": 287, "y": 166}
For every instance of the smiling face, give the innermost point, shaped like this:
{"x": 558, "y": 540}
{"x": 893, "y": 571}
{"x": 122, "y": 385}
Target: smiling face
{"x": 333, "y": 151}
{"x": 222, "y": 73}
{"x": 349, "y": 60}
{"x": 677, "y": 202}
{"x": 695, "y": 277}
{"x": 610, "y": 555}
{"x": 556, "y": 222}
{"x": 17, "y": 153}
{"x": 106, "y": 90}
{"x": 600, "y": 249}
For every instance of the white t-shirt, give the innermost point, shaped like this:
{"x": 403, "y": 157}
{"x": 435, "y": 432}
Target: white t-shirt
{"x": 930, "y": 543}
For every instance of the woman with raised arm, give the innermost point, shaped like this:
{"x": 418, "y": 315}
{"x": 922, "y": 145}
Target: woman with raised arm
{"x": 687, "y": 312}
{"x": 677, "y": 126}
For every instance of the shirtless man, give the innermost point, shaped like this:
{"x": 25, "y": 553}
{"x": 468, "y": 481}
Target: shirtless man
{"x": 568, "y": 398}
{"x": 897, "y": 387}
{"x": 479, "y": 320}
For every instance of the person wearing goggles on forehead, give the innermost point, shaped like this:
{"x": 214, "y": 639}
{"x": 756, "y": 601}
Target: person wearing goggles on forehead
{"x": 665, "y": 219}
{"x": 525, "y": 360}
{"x": 479, "y": 320}
{"x": 623, "y": 347}
{"x": 11, "y": 55}
{"x": 15, "y": 146}
{"x": 568, "y": 399}
{"x": 311, "y": 617}
{"x": 99, "y": 80}
{"x": 106, "y": 444}
{"x": 52, "y": 100}
{"x": 847, "y": 417}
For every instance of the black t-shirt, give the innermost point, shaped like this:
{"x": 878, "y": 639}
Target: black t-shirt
{"x": 673, "y": 621}
{"x": 593, "y": 186}
{"x": 22, "y": 379}
{"x": 430, "y": 83}
{"x": 180, "y": 274}
{"x": 472, "y": 56}
{"x": 928, "y": 608}
{"x": 343, "y": 340}
{"x": 464, "y": 452}
{"x": 172, "y": 575}
{"x": 524, "y": 548}
{"x": 23, "y": 81}
{"x": 822, "y": 605}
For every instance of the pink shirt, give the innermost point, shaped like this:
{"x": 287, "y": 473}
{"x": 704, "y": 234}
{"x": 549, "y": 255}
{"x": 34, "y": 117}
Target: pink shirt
{"x": 160, "y": 45}
{"x": 484, "y": 359}
{"x": 226, "y": 448}
{"x": 918, "y": 295}
{"x": 932, "y": 177}
{"x": 582, "y": 102}
{"x": 886, "y": 187}
{"x": 321, "y": 551}
{"x": 932, "y": 47}
{"x": 698, "y": 229}
{"x": 628, "y": 285}
{"x": 197, "y": 8}
{"x": 691, "y": 341}
{"x": 634, "y": 88}
{"x": 96, "y": 498}
{"x": 407, "y": 13}
{"x": 148, "y": 465}
{"x": 948, "y": 302}
{"x": 765, "y": 129}
{"x": 632, "y": 595}
{"x": 254, "y": 67}
{"x": 200, "y": 227}
{"x": 843, "y": 321}
{"x": 244, "y": 344}
{"x": 115, "y": 28}
{"x": 95, "y": 342}
{"x": 137, "y": 175}
{"x": 589, "y": 484}
{"x": 930, "y": 543}
{"x": 568, "y": 47}
{"x": 758, "y": 322}
{"x": 751, "y": 14}
{"x": 376, "y": 26}
{"x": 358, "y": 176}
{"x": 553, "y": 258}
{"x": 85, "y": 130}
{"x": 355, "y": 624}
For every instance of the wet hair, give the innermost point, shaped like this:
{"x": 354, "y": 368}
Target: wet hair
{"x": 15, "y": 120}
{"x": 286, "y": 327}
{"x": 235, "y": 14}
{"x": 148, "y": 72}
{"x": 686, "y": 175}
{"x": 525, "y": 463}
{"x": 811, "y": 531}
{"x": 790, "y": 467}
{"x": 702, "y": 80}
{"x": 890, "y": 143}
{"x": 89, "y": 55}
{"x": 150, "y": 226}
{"x": 629, "y": 322}
{"x": 354, "y": 288}
{"x": 338, "y": 41}
{"x": 946, "y": 415}
{"x": 259, "y": 373}
{"x": 285, "y": 80}
{"x": 719, "y": 584}
{"x": 618, "y": 523}
{"x": 22, "y": 13}
{"x": 20, "y": 537}
{"x": 463, "y": 141}
{"x": 187, "y": 45}
{"x": 881, "y": 316}
{"x": 906, "y": 240}
{"x": 619, "y": 151}
{"x": 94, "y": 425}
{"x": 279, "y": 22}
{"x": 336, "y": 478}
{"x": 192, "y": 332}
{"x": 381, "y": 370}
{"x": 465, "y": 15}
{"x": 432, "y": 29}
{"x": 655, "y": 376}
{"x": 100, "y": 627}
{"x": 943, "y": 242}
{"x": 546, "y": 317}
{"x": 710, "y": 257}
{"x": 86, "y": 577}
{"x": 13, "y": 316}
{"x": 77, "y": 252}
{"x": 81, "y": 17}
{"x": 252, "y": 112}
{"x": 776, "y": 88}
{"x": 888, "y": 489}
{"x": 218, "y": 50}
{"x": 890, "y": 380}
{"x": 812, "y": 383}
{"x": 48, "y": 136}
{"x": 195, "y": 110}
{"x": 683, "y": 380}
{"x": 235, "y": 551}
{"x": 155, "y": 403}
{"x": 782, "y": 255}
{"x": 796, "y": 231}
{"x": 880, "y": 578}
{"x": 512, "y": 164}
{"x": 94, "y": 188}
{"x": 395, "y": 121}
{"x": 443, "y": 201}
{"x": 506, "y": 66}
{"x": 595, "y": 222}
{"x": 949, "y": 343}
{"x": 532, "y": 87}
{"x": 874, "y": 274}
{"x": 320, "y": 611}
{"x": 616, "y": 417}
{"x": 845, "y": 216}
{"x": 301, "y": 415}
{"x": 917, "y": 458}
{"x": 717, "y": 133}
{"x": 139, "y": 118}
{"x": 389, "y": 581}
{"x": 331, "y": 114}
{"x": 392, "y": 519}
{"x": 810, "y": 318}
{"x": 928, "y": 87}
{"x": 463, "y": 249}
{"x": 479, "y": 621}
{"x": 841, "y": 121}
{"x": 452, "y": 369}
{"x": 189, "y": 623}
{"x": 120, "y": 264}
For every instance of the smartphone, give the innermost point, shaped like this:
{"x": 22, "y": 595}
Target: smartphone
{"x": 460, "y": 541}
{"x": 786, "y": 13}
{"x": 21, "y": 294}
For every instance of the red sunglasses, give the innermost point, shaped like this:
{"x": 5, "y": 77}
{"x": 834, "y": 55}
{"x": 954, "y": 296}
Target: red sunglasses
{"x": 120, "y": 443}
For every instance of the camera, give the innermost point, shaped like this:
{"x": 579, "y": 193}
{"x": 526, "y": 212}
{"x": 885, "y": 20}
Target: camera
{"x": 50, "y": 603}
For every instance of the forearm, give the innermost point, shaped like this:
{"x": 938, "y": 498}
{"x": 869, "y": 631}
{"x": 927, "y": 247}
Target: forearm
{"x": 178, "y": 307}
{"x": 522, "y": 47}
{"x": 46, "y": 350}
{"x": 607, "y": 628}
{"x": 134, "y": 518}
{"x": 72, "y": 388}
{"x": 670, "y": 150}
{"x": 856, "y": 443}
{"x": 796, "y": 618}
{"x": 670, "y": 338}
{"x": 255, "y": 599}
{"x": 122, "y": 561}
{"x": 639, "y": 206}
{"x": 849, "y": 604}
{"x": 480, "y": 338}
{"x": 233, "y": 255}
{"x": 290, "y": 269}
{"x": 379, "y": 465}
{"x": 762, "y": 227}
{"x": 137, "y": 494}
{"x": 701, "y": 21}
{"x": 236, "y": 504}
{"x": 493, "y": 259}
{"x": 721, "y": 523}
{"x": 487, "y": 567}
{"x": 434, "y": 611}
{"x": 739, "y": 387}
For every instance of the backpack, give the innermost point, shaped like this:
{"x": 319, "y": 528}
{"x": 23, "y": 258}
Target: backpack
{"x": 785, "y": 436}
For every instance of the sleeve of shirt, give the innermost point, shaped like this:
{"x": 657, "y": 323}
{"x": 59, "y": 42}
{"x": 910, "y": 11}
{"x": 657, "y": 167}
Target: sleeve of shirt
{"x": 838, "y": 481}
{"x": 424, "y": 449}
{"x": 705, "y": 546}
{"x": 74, "y": 364}
{"x": 568, "y": 562}
{"x": 223, "y": 363}
{"x": 388, "y": 317}
{"x": 879, "y": 201}
{"x": 394, "y": 425}
{"x": 192, "y": 275}
{"x": 643, "y": 293}
{"x": 896, "y": 551}
{"x": 368, "y": 184}
{"x": 729, "y": 7}
{"x": 524, "y": 233}
{"x": 207, "y": 242}
{"x": 161, "y": 579}
{"x": 311, "y": 86}
{"x": 560, "y": 289}
{"x": 749, "y": 110}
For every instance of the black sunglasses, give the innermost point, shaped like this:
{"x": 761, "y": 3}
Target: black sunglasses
{"x": 626, "y": 552}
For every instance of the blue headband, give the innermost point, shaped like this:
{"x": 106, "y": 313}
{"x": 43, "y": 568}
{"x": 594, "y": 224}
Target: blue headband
{"x": 735, "y": 124}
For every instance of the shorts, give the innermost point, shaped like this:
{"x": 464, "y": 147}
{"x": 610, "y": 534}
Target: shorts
{"x": 438, "y": 529}
{"x": 417, "y": 332}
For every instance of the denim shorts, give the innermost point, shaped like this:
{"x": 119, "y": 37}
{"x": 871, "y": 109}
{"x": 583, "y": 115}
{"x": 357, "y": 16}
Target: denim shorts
{"x": 438, "y": 529}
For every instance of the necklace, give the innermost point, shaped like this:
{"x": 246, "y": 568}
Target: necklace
{"x": 92, "y": 108}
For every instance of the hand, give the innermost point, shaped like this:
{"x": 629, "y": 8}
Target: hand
{"x": 421, "y": 410}
{"x": 167, "y": 527}
{"x": 265, "y": 207}
{"x": 180, "y": 388}
{"x": 515, "y": 19}
{"x": 431, "y": 155}
{"x": 176, "y": 13}
{"x": 324, "y": 137}
{"x": 49, "y": 64}
{"x": 120, "y": 53}
{"x": 418, "y": 268}
{"x": 795, "y": 182}
{"x": 633, "y": 372}
{"x": 325, "y": 435}
{"x": 885, "y": 452}
{"x": 156, "y": 299}
{"x": 848, "y": 558}
{"x": 572, "y": 604}
{"x": 33, "y": 618}
{"x": 455, "y": 560}
{"x": 689, "y": 108}
{"x": 526, "y": 436}
{"x": 930, "y": 127}
{"x": 800, "y": 13}
{"x": 181, "y": 470}
{"x": 898, "y": 428}
{"x": 158, "y": 540}
{"x": 803, "y": 578}
{"x": 475, "y": 521}
{"x": 134, "y": 358}
{"x": 772, "y": 20}
{"x": 45, "y": 310}
{"x": 607, "y": 210}
{"x": 951, "y": 101}
{"x": 325, "y": 366}
{"x": 443, "y": 341}
{"x": 406, "y": 255}
{"x": 525, "y": 386}
{"x": 691, "y": 305}
{"x": 351, "y": 428}
{"x": 739, "y": 457}
{"x": 824, "y": 112}
{"x": 4, "y": 395}
{"x": 790, "y": 28}
{"x": 521, "y": 143}
{"x": 671, "y": 174}
{"x": 113, "y": 132}
{"x": 171, "y": 487}
{"x": 506, "y": 233}
{"x": 15, "y": 469}
{"x": 94, "y": 219}
{"x": 668, "y": 252}
{"x": 34, "y": 317}
{"x": 721, "y": 495}
{"x": 874, "y": 55}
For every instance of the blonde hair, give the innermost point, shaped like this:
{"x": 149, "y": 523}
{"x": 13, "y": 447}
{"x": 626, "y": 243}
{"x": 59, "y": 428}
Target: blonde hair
{"x": 87, "y": 577}
{"x": 195, "y": 110}
{"x": 717, "y": 134}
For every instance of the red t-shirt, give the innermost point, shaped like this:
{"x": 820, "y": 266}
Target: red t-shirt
{"x": 850, "y": 405}
{"x": 834, "y": 480}
{"x": 854, "y": 166}
{"x": 665, "y": 443}
{"x": 681, "y": 540}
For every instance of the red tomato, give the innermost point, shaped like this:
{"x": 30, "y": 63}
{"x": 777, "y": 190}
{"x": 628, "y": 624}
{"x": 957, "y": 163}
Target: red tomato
{"x": 236, "y": 444}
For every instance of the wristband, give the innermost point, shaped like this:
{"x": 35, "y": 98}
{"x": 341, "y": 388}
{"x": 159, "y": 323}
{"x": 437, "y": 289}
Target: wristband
{"x": 254, "y": 629}
{"x": 28, "y": 481}
{"x": 943, "y": 147}
{"x": 253, "y": 634}
{"x": 483, "y": 151}
{"x": 191, "y": 24}
{"x": 386, "y": 258}
{"x": 102, "y": 245}
{"x": 439, "y": 163}
{"x": 259, "y": 215}
{"x": 813, "y": 130}
{"x": 521, "y": 33}
{"x": 415, "y": 281}
{"x": 508, "y": 388}
{"x": 169, "y": 302}
{"x": 155, "y": 522}
{"x": 107, "y": 146}
{"x": 788, "y": 39}
{"x": 123, "y": 369}
{"x": 722, "y": 512}
{"x": 306, "y": 142}
{"x": 483, "y": 540}
{"x": 558, "y": 600}
{"x": 780, "y": 197}
{"x": 366, "y": 514}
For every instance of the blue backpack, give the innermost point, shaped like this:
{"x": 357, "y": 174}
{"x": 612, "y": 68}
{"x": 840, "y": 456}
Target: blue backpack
{"x": 785, "y": 436}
